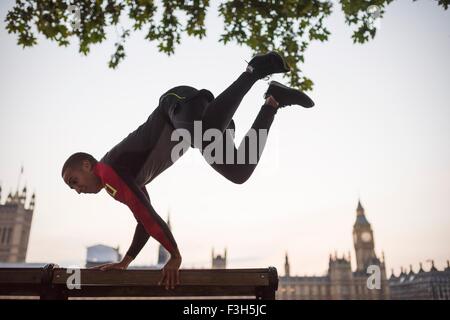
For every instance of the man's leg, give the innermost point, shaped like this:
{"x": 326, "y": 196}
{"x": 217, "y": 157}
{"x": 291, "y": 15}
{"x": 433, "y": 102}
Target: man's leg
{"x": 220, "y": 111}
{"x": 250, "y": 148}
{"x": 217, "y": 114}
{"x": 252, "y": 145}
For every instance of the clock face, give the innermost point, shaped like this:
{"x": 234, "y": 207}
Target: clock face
{"x": 366, "y": 237}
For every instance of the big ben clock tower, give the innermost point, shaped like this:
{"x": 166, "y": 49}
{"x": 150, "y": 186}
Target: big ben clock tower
{"x": 363, "y": 240}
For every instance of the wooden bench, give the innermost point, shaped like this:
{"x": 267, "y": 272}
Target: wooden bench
{"x": 50, "y": 282}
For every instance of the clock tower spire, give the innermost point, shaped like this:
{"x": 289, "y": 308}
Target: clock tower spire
{"x": 363, "y": 240}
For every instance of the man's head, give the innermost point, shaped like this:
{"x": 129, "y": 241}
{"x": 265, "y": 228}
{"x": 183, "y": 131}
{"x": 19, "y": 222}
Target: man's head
{"x": 78, "y": 173}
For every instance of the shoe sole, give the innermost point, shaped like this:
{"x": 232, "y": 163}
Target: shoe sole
{"x": 278, "y": 55}
{"x": 285, "y": 65}
{"x": 303, "y": 96}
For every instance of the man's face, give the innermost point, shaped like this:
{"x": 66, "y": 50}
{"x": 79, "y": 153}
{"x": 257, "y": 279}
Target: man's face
{"x": 82, "y": 179}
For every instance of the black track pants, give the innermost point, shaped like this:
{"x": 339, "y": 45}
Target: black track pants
{"x": 235, "y": 164}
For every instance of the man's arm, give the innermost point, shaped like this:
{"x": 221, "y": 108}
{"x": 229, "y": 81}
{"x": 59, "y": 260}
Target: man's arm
{"x": 140, "y": 237}
{"x": 139, "y": 203}
{"x": 123, "y": 188}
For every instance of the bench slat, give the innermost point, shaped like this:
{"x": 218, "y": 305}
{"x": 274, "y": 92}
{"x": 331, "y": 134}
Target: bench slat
{"x": 11, "y": 275}
{"x": 157, "y": 291}
{"x": 216, "y": 277}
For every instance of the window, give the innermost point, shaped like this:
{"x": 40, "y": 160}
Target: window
{"x": 8, "y": 237}
{"x": 314, "y": 290}
{"x": 2, "y": 235}
{"x": 298, "y": 290}
{"x": 5, "y": 235}
{"x": 306, "y": 292}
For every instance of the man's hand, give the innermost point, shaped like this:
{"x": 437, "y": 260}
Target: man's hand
{"x": 122, "y": 265}
{"x": 170, "y": 272}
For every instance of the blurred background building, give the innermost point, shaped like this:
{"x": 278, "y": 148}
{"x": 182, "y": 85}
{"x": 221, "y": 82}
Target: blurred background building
{"x": 101, "y": 254}
{"x": 219, "y": 261}
{"x": 421, "y": 285}
{"x": 340, "y": 282}
{"x": 15, "y": 225}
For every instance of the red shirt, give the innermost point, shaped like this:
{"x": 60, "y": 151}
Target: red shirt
{"x": 130, "y": 195}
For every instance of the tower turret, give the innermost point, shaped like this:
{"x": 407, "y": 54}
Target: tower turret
{"x": 363, "y": 240}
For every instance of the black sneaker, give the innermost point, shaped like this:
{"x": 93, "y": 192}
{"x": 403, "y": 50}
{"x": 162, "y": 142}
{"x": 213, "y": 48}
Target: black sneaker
{"x": 286, "y": 96}
{"x": 263, "y": 65}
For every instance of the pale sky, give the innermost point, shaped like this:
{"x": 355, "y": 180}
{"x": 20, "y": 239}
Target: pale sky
{"x": 380, "y": 131}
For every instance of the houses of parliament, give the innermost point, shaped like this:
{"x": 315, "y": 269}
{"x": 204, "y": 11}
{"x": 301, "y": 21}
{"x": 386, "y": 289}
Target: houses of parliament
{"x": 341, "y": 283}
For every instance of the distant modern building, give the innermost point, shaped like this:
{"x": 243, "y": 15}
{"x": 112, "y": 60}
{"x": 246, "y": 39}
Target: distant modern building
{"x": 341, "y": 282}
{"x": 15, "y": 225}
{"x": 219, "y": 261}
{"x": 101, "y": 254}
{"x": 421, "y": 285}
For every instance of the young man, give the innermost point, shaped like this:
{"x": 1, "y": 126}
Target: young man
{"x": 146, "y": 152}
